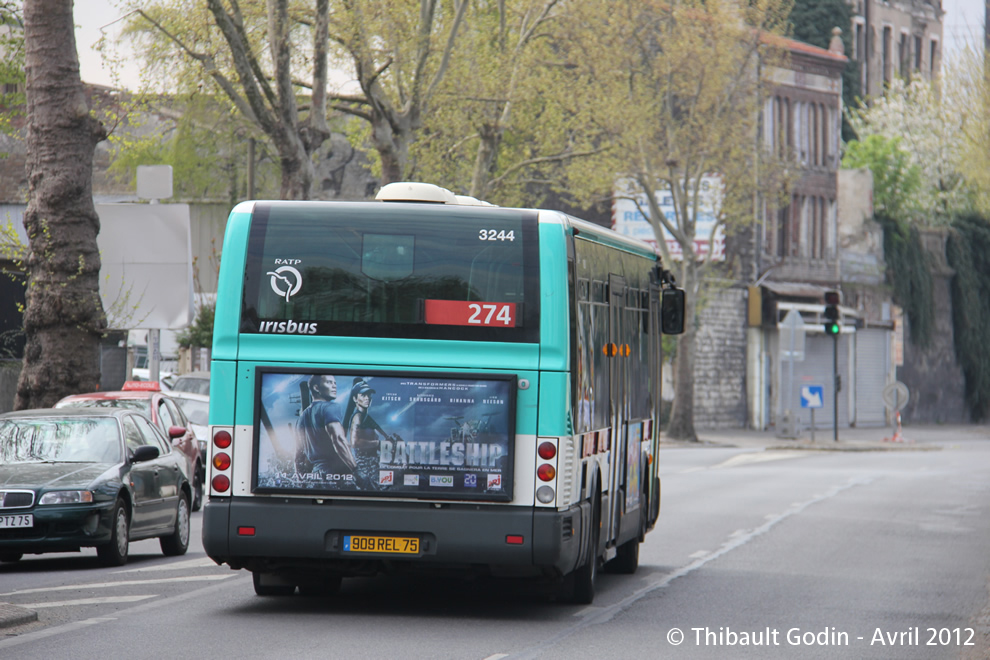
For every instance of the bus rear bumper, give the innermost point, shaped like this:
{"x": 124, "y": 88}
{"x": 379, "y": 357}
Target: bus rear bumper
{"x": 286, "y": 535}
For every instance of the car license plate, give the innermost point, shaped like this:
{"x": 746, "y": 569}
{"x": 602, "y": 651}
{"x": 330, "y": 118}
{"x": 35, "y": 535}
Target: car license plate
{"x": 382, "y": 544}
{"x": 17, "y": 520}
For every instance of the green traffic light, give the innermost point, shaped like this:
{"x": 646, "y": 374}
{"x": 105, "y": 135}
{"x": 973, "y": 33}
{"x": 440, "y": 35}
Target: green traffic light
{"x": 832, "y": 328}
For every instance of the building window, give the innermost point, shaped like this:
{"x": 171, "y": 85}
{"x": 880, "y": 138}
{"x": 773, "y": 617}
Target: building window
{"x": 918, "y": 52}
{"x": 932, "y": 57}
{"x": 903, "y": 56}
{"x": 886, "y": 62}
{"x": 825, "y": 124}
{"x": 783, "y": 231}
{"x": 822, "y": 228}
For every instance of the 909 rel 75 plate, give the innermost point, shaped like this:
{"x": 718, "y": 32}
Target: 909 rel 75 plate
{"x": 402, "y": 545}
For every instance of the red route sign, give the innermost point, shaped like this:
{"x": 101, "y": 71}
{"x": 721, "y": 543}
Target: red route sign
{"x": 458, "y": 312}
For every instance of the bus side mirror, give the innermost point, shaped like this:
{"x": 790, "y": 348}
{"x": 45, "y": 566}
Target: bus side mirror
{"x": 672, "y": 311}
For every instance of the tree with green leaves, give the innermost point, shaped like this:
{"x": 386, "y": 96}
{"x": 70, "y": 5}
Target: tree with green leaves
{"x": 681, "y": 88}
{"x": 896, "y": 180}
{"x": 812, "y": 22}
{"x": 63, "y": 317}
{"x": 11, "y": 64}
{"x": 202, "y": 138}
{"x": 256, "y": 55}
{"x": 930, "y": 123}
{"x": 272, "y": 59}
{"x": 514, "y": 108}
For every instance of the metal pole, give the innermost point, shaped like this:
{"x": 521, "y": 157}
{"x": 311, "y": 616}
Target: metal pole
{"x": 790, "y": 388}
{"x": 835, "y": 385}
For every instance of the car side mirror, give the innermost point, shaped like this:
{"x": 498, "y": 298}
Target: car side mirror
{"x": 144, "y": 453}
{"x": 175, "y": 432}
{"x": 672, "y": 311}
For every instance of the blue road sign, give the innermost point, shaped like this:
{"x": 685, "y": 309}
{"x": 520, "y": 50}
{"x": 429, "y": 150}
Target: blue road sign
{"x": 812, "y": 396}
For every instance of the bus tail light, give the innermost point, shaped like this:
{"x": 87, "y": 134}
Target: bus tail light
{"x": 222, "y": 439}
{"x": 220, "y": 461}
{"x": 547, "y": 458}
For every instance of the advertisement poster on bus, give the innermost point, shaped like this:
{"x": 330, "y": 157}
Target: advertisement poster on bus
{"x": 397, "y": 435}
{"x": 629, "y": 206}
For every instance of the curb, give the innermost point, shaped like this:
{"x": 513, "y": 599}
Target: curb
{"x": 12, "y": 615}
{"x": 856, "y": 447}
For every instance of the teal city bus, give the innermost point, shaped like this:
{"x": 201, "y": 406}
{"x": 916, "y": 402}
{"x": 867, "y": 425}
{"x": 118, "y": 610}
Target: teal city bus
{"x": 429, "y": 382}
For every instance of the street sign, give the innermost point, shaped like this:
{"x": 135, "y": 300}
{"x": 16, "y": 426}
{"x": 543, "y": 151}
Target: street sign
{"x": 896, "y": 395}
{"x": 812, "y": 396}
{"x": 792, "y": 337}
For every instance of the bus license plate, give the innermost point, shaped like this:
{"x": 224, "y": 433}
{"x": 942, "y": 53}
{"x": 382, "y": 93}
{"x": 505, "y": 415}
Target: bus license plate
{"x": 382, "y": 544}
{"x": 18, "y": 520}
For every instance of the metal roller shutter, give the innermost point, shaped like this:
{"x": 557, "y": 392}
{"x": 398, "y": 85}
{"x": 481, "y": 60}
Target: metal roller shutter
{"x": 872, "y": 367}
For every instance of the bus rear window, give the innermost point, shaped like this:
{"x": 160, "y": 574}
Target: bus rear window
{"x": 392, "y": 270}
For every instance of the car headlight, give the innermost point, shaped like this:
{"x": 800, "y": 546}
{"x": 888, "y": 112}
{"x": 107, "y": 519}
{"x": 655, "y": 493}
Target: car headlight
{"x": 66, "y": 497}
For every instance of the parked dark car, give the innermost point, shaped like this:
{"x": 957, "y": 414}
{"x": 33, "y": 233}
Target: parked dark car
{"x": 164, "y": 412}
{"x": 196, "y": 408}
{"x": 197, "y": 382}
{"x": 73, "y": 478}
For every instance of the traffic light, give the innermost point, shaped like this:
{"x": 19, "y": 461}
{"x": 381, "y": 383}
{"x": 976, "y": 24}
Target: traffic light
{"x": 833, "y": 318}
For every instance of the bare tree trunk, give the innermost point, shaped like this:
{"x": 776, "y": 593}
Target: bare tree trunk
{"x": 681, "y": 425}
{"x": 491, "y": 137}
{"x": 63, "y": 317}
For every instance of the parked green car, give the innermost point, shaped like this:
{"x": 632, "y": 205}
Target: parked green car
{"x": 73, "y": 478}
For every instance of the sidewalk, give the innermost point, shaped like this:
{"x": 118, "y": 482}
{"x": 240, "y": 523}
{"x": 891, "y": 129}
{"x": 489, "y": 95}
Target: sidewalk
{"x": 925, "y": 437}
{"x": 12, "y": 615}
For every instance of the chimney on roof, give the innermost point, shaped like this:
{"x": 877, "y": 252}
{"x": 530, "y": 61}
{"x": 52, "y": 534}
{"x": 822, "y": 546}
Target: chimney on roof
{"x": 835, "y": 45}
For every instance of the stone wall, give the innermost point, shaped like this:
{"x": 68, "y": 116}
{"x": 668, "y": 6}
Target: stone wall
{"x": 720, "y": 362}
{"x": 935, "y": 379}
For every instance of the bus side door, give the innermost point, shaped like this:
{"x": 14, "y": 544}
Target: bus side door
{"x": 618, "y": 378}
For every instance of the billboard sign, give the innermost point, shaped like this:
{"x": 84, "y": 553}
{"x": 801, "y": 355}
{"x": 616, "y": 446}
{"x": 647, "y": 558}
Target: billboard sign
{"x": 629, "y": 206}
{"x": 385, "y": 435}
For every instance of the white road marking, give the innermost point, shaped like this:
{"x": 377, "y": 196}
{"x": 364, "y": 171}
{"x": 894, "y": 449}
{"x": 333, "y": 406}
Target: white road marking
{"x": 87, "y": 601}
{"x": 201, "y": 562}
{"x": 699, "y": 553}
{"x": 759, "y": 457}
{"x": 122, "y": 583}
{"x": 735, "y": 541}
{"x": 591, "y": 609}
{"x": 749, "y": 457}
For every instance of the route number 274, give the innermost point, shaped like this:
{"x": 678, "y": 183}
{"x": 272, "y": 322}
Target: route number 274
{"x": 486, "y": 314}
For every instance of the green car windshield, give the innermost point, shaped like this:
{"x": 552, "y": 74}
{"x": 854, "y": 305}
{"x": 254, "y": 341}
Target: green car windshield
{"x": 85, "y": 440}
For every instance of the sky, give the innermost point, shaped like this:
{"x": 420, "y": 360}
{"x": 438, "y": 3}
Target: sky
{"x": 962, "y": 24}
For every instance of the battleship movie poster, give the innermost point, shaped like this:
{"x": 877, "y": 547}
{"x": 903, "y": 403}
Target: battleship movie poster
{"x": 393, "y": 435}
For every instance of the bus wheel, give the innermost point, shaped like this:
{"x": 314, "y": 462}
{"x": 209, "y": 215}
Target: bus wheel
{"x": 626, "y": 559}
{"x": 269, "y": 584}
{"x": 582, "y": 581}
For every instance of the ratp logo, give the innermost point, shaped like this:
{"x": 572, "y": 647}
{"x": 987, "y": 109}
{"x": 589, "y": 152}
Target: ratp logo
{"x": 410, "y": 480}
{"x": 288, "y": 277}
{"x": 386, "y": 478}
